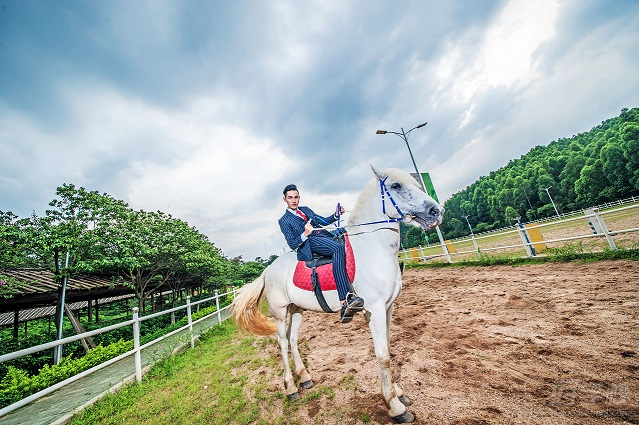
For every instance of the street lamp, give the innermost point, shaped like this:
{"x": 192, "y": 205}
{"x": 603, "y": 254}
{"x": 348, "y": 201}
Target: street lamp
{"x": 471, "y": 229}
{"x": 404, "y": 136}
{"x": 553, "y": 202}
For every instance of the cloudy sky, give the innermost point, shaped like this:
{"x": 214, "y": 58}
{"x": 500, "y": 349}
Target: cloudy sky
{"x": 207, "y": 109}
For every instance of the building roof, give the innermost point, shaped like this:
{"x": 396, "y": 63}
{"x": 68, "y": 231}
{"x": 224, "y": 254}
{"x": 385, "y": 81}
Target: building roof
{"x": 39, "y": 289}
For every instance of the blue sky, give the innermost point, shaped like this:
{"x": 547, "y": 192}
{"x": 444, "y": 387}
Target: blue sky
{"x": 207, "y": 109}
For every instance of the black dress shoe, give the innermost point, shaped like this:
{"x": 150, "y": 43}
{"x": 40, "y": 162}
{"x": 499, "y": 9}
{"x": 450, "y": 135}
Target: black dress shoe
{"x": 350, "y": 307}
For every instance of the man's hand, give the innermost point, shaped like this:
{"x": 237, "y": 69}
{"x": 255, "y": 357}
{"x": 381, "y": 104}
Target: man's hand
{"x": 308, "y": 228}
{"x": 341, "y": 211}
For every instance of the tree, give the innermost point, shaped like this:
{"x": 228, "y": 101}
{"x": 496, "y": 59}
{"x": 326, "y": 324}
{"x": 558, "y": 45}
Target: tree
{"x": 591, "y": 184}
{"x": 569, "y": 165}
{"x": 414, "y": 237}
{"x": 511, "y": 213}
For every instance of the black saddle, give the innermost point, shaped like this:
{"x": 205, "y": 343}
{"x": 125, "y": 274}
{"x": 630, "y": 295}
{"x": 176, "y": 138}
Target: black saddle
{"x": 318, "y": 260}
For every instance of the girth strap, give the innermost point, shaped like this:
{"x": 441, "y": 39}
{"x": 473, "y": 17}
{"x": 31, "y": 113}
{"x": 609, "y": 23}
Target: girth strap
{"x": 318, "y": 290}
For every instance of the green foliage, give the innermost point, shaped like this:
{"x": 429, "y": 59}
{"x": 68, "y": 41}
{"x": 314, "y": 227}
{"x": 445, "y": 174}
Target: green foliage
{"x": 413, "y": 236}
{"x": 588, "y": 169}
{"x": 17, "y": 384}
{"x": 104, "y": 236}
{"x": 218, "y": 366}
{"x": 9, "y": 286}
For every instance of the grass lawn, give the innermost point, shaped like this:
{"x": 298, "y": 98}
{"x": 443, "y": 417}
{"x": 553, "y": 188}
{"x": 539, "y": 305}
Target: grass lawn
{"x": 228, "y": 378}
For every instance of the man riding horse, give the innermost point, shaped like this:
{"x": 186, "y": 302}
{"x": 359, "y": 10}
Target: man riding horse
{"x": 297, "y": 226}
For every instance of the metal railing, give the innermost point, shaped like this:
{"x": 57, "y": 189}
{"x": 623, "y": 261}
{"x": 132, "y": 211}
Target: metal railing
{"x": 136, "y": 351}
{"x": 596, "y": 216}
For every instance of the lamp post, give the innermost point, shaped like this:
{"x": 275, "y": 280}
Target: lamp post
{"x": 553, "y": 202}
{"x": 404, "y": 136}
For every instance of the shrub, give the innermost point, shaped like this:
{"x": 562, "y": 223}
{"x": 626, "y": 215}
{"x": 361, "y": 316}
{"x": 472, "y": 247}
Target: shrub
{"x": 17, "y": 384}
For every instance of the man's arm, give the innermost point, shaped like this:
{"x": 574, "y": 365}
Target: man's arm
{"x": 293, "y": 236}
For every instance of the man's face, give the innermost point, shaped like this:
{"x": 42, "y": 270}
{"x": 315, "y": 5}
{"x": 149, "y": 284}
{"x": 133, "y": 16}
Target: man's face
{"x": 292, "y": 199}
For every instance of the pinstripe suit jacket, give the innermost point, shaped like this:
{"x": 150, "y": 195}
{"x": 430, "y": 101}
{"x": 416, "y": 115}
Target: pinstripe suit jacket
{"x": 292, "y": 227}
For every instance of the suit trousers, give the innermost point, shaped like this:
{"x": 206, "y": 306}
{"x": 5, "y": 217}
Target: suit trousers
{"x": 326, "y": 246}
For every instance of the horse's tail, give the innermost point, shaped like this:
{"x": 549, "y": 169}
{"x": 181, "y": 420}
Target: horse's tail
{"x": 247, "y": 311}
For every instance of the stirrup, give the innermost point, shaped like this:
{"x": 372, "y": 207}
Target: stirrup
{"x": 351, "y": 295}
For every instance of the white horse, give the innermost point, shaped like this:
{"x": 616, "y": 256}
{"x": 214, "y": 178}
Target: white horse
{"x": 373, "y": 228}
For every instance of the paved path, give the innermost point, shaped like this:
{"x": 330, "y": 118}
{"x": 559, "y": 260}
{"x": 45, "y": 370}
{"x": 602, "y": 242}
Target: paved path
{"x": 59, "y": 406}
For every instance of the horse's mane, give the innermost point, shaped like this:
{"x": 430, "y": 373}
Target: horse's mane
{"x": 372, "y": 189}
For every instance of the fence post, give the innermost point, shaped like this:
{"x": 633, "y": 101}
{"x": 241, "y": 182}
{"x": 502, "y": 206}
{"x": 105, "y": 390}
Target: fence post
{"x": 190, "y": 320}
{"x": 136, "y": 345}
{"x": 530, "y": 251}
{"x": 604, "y": 228}
{"x": 217, "y": 306}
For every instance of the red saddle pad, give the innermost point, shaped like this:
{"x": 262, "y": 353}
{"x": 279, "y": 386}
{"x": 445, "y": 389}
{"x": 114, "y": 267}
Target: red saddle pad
{"x": 302, "y": 276}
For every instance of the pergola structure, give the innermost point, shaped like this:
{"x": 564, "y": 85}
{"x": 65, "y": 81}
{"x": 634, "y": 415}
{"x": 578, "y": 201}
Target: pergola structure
{"x": 38, "y": 295}
{"x": 38, "y": 289}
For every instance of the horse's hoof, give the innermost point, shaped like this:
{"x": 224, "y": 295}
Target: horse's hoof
{"x": 306, "y": 385}
{"x": 405, "y": 418}
{"x": 405, "y": 401}
{"x": 294, "y": 397}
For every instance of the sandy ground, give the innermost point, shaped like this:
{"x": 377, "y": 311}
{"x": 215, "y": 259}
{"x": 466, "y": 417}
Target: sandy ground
{"x": 537, "y": 344}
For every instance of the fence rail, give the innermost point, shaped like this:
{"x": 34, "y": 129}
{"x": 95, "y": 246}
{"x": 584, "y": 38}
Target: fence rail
{"x": 595, "y": 217}
{"x": 136, "y": 351}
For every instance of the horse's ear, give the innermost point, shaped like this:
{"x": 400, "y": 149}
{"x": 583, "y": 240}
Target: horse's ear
{"x": 379, "y": 173}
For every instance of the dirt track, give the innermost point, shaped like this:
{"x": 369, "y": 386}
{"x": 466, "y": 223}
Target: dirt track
{"x": 538, "y": 344}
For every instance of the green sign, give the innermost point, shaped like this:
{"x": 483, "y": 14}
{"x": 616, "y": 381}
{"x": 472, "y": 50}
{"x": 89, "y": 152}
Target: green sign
{"x": 430, "y": 189}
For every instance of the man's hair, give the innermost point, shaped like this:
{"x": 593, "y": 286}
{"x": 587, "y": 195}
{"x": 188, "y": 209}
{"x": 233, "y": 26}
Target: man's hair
{"x": 289, "y": 187}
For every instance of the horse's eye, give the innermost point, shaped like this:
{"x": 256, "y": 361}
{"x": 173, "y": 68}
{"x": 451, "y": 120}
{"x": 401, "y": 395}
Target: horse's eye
{"x": 396, "y": 186}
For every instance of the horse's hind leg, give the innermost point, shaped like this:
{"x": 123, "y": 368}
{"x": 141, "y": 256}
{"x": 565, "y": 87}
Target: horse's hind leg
{"x": 280, "y": 324}
{"x": 378, "y": 323}
{"x": 293, "y": 333}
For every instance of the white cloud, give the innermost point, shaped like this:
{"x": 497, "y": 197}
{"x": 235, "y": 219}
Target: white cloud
{"x": 156, "y": 106}
{"x": 219, "y": 188}
{"x": 505, "y": 53}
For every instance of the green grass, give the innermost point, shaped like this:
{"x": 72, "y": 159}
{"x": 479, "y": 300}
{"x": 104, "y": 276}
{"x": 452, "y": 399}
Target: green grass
{"x": 205, "y": 385}
{"x": 220, "y": 381}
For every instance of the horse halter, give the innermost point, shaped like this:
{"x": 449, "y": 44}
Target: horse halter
{"x": 385, "y": 192}
{"x": 407, "y": 218}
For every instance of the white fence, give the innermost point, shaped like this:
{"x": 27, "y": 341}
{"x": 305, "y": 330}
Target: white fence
{"x": 595, "y": 220}
{"x": 135, "y": 352}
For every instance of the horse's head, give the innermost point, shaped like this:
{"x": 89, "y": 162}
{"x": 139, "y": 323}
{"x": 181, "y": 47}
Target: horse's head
{"x": 403, "y": 198}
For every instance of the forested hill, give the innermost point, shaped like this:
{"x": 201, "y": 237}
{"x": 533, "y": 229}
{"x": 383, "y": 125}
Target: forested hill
{"x": 585, "y": 170}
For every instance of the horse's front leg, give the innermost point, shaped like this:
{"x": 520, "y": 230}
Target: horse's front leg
{"x": 378, "y": 323}
{"x": 400, "y": 394}
{"x": 280, "y": 324}
{"x": 293, "y": 332}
